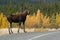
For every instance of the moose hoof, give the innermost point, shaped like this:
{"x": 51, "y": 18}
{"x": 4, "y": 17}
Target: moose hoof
{"x": 12, "y": 32}
{"x": 25, "y": 31}
{"x": 9, "y": 33}
{"x": 18, "y": 31}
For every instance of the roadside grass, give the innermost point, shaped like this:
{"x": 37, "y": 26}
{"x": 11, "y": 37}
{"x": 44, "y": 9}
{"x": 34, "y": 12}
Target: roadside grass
{"x": 44, "y": 29}
{"x": 4, "y": 31}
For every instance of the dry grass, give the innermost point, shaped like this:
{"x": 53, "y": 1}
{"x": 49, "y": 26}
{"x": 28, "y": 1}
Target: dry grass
{"x": 5, "y": 30}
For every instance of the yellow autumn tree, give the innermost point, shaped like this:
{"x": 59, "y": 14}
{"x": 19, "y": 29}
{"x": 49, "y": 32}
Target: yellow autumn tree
{"x": 30, "y": 20}
{"x": 34, "y": 19}
{"x": 1, "y": 16}
{"x": 58, "y": 19}
{"x": 3, "y": 21}
{"x": 46, "y": 21}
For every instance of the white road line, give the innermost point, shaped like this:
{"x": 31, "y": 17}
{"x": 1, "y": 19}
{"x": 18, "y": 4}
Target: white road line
{"x": 41, "y": 35}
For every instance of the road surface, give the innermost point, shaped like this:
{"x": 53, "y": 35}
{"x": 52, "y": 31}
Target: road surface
{"x": 48, "y": 35}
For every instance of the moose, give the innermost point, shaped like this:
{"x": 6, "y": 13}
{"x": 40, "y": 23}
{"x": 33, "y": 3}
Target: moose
{"x": 18, "y": 18}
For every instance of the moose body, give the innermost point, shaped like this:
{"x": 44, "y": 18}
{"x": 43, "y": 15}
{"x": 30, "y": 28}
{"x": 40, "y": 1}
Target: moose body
{"x": 18, "y": 18}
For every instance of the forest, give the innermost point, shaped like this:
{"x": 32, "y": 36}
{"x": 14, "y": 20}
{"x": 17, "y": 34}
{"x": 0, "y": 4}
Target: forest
{"x": 48, "y": 7}
{"x": 43, "y": 13}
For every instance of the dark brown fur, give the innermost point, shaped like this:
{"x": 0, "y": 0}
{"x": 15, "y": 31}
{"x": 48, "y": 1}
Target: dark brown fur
{"x": 18, "y": 18}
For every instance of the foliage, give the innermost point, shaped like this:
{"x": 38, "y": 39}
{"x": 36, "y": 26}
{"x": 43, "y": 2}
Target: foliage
{"x": 58, "y": 19}
{"x": 3, "y": 21}
{"x": 46, "y": 6}
{"x": 36, "y": 20}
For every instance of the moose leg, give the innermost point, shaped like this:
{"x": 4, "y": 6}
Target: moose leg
{"x": 9, "y": 29}
{"x": 19, "y": 27}
{"x": 24, "y": 26}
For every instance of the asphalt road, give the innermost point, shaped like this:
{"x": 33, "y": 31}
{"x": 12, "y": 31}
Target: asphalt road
{"x": 50, "y": 35}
